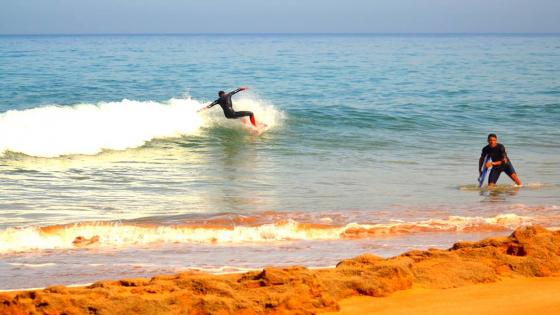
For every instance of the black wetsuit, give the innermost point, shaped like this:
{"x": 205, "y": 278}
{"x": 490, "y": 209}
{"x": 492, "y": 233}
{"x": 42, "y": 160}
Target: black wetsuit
{"x": 225, "y": 102}
{"x": 498, "y": 153}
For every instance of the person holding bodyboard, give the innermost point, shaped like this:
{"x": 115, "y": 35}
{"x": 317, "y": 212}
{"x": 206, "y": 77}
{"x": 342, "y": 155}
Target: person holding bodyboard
{"x": 494, "y": 156}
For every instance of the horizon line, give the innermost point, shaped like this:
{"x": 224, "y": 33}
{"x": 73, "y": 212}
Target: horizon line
{"x": 279, "y": 33}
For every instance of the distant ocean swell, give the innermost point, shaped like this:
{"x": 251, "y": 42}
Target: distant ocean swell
{"x": 54, "y": 130}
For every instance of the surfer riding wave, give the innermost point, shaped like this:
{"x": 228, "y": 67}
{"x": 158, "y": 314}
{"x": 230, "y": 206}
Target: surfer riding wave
{"x": 225, "y": 102}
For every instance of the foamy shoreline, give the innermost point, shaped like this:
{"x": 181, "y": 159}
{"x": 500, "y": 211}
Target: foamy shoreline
{"x": 110, "y": 234}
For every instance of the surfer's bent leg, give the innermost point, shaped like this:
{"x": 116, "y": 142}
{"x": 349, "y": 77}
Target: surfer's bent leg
{"x": 510, "y": 171}
{"x": 244, "y": 114}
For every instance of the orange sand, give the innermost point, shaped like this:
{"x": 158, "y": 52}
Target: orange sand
{"x": 507, "y": 297}
{"x": 527, "y": 252}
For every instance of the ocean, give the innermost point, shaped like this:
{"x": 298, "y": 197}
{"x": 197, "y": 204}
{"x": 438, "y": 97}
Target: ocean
{"x": 108, "y": 171}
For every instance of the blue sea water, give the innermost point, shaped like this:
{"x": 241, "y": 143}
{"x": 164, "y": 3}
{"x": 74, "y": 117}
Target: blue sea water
{"x": 378, "y": 134}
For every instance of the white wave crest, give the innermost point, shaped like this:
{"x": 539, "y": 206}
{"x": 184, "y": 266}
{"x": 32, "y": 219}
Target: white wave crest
{"x": 51, "y": 131}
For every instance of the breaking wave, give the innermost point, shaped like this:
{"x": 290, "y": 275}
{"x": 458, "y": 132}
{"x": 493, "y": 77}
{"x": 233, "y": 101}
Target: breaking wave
{"x": 54, "y": 130}
{"x": 113, "y": 234}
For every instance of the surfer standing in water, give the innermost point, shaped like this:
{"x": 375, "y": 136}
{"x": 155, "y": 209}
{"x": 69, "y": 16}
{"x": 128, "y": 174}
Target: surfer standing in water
{"x": 224, "y": 101}
{"x": 499, "y": 163}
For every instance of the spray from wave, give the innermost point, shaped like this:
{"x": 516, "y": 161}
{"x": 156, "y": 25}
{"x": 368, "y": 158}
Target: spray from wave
{"x": 53, "y": 130}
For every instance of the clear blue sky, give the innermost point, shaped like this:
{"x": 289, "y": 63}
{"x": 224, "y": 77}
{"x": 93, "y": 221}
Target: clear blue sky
{"x": 286, "y": 16}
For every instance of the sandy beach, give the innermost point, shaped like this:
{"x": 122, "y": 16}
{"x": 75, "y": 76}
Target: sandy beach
{"x": 514, "y": 273}
{"x": 507, "y": 296}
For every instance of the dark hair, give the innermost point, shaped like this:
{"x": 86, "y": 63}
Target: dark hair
{"x": 492, "y": 135}
{"x": 221, "y": 93}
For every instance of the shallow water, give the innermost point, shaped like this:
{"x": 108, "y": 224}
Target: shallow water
{"x": 372, "y": 147}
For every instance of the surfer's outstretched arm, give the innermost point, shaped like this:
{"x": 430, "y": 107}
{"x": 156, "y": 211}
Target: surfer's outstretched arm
{"x": 213, "y": 103}
{"x": 209, "y": 106}
{"x": 238, "y": 90}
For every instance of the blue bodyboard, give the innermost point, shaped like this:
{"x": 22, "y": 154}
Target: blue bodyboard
{"x": 484, "y": 171}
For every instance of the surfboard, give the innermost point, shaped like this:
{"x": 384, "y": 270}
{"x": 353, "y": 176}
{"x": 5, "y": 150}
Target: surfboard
{"x": 484, "y": 171}
{"x": 259, "y": 129}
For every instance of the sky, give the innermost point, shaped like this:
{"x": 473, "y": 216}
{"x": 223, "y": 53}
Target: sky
{"x": 271, "y": 16}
